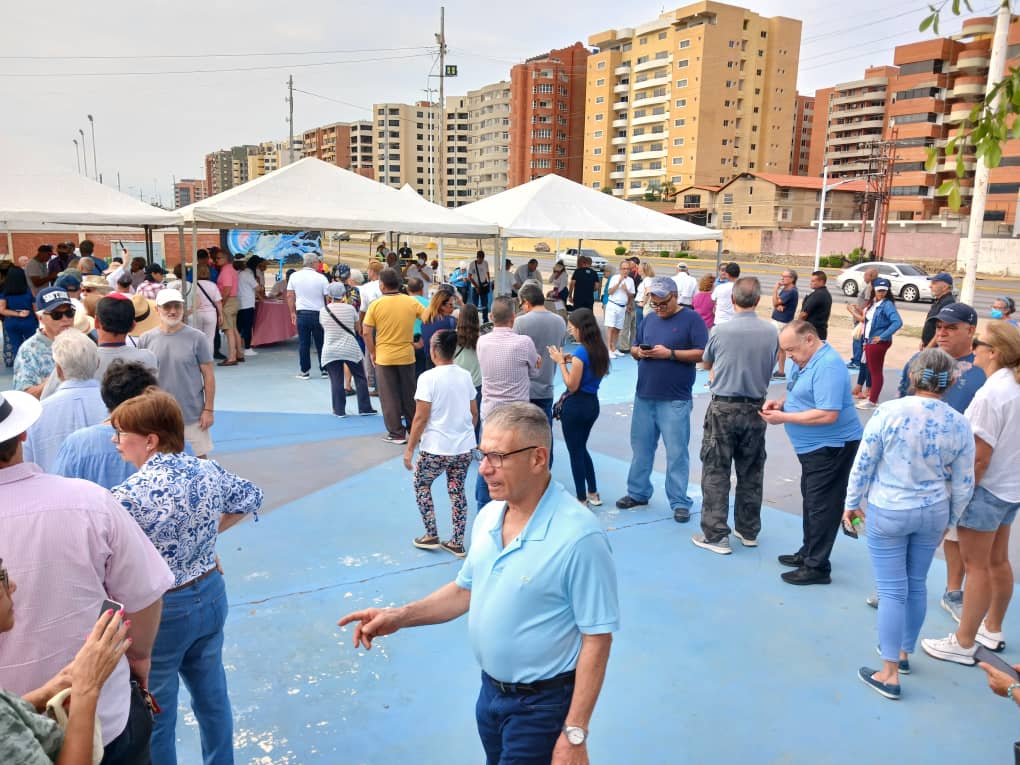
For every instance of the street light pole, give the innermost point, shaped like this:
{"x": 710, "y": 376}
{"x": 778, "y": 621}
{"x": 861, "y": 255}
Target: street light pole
{"x": 95, "y": 164}
{"x": 77, "y": 156}
{"x": 821, "y": 209}
{"x": 84, "y": 156}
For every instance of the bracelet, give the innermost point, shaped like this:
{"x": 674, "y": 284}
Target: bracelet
{"x": 672, "y": 354}
{"x": 1009, "y": 691}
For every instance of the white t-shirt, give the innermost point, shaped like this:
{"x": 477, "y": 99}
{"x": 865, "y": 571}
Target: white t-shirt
{"x": 114, "y": 275}
{"x": 309, "y": 288}
{"x": 209, "y": 288}
{"x": 246, "y": 286}
{"x": 994, "y": 416}
{"x": 369, "y": 291}
{"x": 621, "y": 295}
{"x": 449, "y": 430}
{"x": 686, "y": 286}
{"x": 723, "y": 297}
{"x": 480, "y": 271}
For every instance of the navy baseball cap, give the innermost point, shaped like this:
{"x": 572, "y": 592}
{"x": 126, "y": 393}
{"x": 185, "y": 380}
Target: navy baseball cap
{"x": 880, "y": 284}
{"x": 942, "y": 277}
{"x": 958, "y": 313}
{"x": 68, "y": 281}
{"x": 51, "y": 298}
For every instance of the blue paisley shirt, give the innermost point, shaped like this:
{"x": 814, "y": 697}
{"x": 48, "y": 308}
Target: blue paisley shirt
{"x": 34, "y": 361}
{"x": 915, "y": 452}
{"x": 177, "y": 500}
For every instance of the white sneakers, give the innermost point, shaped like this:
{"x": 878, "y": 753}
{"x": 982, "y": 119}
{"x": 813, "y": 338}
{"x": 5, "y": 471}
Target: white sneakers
{"x": 948, "y": 649}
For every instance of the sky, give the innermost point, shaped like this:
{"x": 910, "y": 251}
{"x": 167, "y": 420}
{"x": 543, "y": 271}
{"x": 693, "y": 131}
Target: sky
{"x": 167, "y": 82}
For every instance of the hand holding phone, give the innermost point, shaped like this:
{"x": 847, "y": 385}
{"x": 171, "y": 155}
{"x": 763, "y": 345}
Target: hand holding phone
{"x": 645, "y": 347}
{"x": 996, "y": 662}
{"x": 110, "y": 605}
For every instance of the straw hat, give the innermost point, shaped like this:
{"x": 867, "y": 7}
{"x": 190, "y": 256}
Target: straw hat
{"x": 146, "y": 317}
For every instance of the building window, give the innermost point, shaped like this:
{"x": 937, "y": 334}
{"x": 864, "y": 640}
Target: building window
{"x": 682, "y": 63}
{"x": 677, "y": 161}
{"x": 600, "y": 65}
{"x": 643, "y": 41}
{"x": 600, "y": 82}
{"x": 600, "y": 99}
{"x": 681, "y": 103}
{"x": 599, "y": 117}
{"x": 678, "y": 141}
{"x": 679, "y": 122}
{"x": 597, "y": 151}
{"x": 597, "y": 134}
{"x": 596, "y": 168}
{"x": 727, "y": 217}
{"x": 662, "y": 35}
{"x": 596, "y": 185}
{"x": 685, "y": 44}
{"x": 727, "y": 199}
{"x": 681, "y": 83}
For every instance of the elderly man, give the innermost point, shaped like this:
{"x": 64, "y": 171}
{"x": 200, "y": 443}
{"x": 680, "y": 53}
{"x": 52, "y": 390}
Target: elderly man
{"x": 942, "y": 292}
{"x": 185, "y": 368}
{"x": 820, "y": 420}
{"x": 306, "y": 296}
{"x": 34, "y": 362}
{"x": 864, "y": 298}
{"x": 543, "y": 647}
{"x": 740, "y": 355}
{"x": 544, "y": 328}
{"x": 669, "y": 344}
{"x": 621, "y": 293}
{"x": 529, "y": 271}
{"x": 72, "y": 546}
{"x": 686, "y": 286}
{"x": 115, "y": 320}
{"x": 75, "y": 404}
{"x": 728, "y": 274}
{"x": 817, "y": 306}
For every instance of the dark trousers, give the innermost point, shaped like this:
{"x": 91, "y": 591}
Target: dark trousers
{"x": 481, "y": 296}
{"x": 520, "y": 728}
{"x": 131, "y": 747}
{"x": 823, "y": 477}
{"x": 338, "y": 392}
{"x": 580, "y": 410}
{"x": 546, "y": 405}
{"x": 734, "y": 434}
{"x": 396, "y": 397}
{"x": 308, "y": 329}
{"x": 246, "y": 324}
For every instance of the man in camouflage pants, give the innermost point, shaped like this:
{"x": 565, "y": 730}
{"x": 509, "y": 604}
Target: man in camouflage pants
{"x": 740, "y": 356}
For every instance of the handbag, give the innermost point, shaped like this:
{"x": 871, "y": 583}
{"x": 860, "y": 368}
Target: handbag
{"x": 558, "y": 406}
{"x": 57, "y": 709}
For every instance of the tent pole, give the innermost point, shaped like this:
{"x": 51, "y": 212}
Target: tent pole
{"x": 442, "y": 267}
{"x": 190, "y": 294}
{"x": 10, "y": 246}
{"x": 718, "y": 257}
{"x": 180, "y": 247}
{"x": 148, "y": 243}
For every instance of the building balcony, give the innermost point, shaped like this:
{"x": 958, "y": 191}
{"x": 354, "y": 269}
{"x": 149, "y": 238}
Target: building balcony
{"x": 864, "y": 111}
{"x": 874, "y": 97}
{"x": 962, "y": 89}
{"x": 948, "y": 165}
{"x": 655, "y": 64}
{"x": 647, "y": 173}
{"x": 617, "y": 175}
{"x": 648, "y": 155}
{"x": 620, "y": 123}
{"x": 847, "y": 127}
{"x": 620, "y": 70}
{"x": 959, "y": 114}
{"x": 647, "y": 137}
{"x": 852, "y": 140}
{"x": 849, "y": 167}
{"x": 621, "y": 105}
{"x": 619, "y": 192}
{"x": 618, "y": 158}
{"x": 650, "y": 100}
{"x": 619, "y": 140}
{"x": 969, "y": 62}
{"x": 651, "y": 118}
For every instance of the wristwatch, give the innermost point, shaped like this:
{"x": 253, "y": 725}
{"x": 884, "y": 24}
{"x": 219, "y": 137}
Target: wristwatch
{"x": 575, "y": 735}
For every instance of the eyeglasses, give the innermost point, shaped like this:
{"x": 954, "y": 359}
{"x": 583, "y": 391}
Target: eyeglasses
{"x": 5, "y": 580}
{"x": 118, "y": 434}
{"x": 975, "y": 344}
{"x": 496, "y": 458}
{"x": 67, "y": 313}
{"x": 657, "y": 304}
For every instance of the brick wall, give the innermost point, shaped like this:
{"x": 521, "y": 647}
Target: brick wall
{"x": 27, "y": 242}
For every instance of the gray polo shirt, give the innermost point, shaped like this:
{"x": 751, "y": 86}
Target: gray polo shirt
{"x": 742, "y": 353}
{"x": 545, "y": 328}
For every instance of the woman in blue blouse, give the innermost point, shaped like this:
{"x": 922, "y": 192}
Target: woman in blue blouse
{"x": 18, "y": 312}
{"x": 915, "y": 466}
{"x": 582, "y": 374}
{"x": 881, "y": 322}
{"x": 182, "y": 503}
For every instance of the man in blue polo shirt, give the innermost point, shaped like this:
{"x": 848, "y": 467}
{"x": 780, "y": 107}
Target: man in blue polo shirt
{"x": 825, "y": 431}
{"x": 668, "y": 345}
{"x": 539, "y": 588}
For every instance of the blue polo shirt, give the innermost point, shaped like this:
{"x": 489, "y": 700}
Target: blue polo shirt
{"x": 665, "y": 379}
{"x": 532, "y": 600}
{"x": 789, "y": 300}
{"x": 822, "y": 384}
{"x": 969, "y": 379}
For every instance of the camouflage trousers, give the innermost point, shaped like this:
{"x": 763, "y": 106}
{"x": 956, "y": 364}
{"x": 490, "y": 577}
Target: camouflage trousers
{"x": 734, "y": 435}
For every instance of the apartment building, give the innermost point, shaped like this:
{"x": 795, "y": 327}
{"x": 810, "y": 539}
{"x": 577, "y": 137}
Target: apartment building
{"x": 270, "y": 156}
{"x": 547, "y": 106}
{"x": 800, "y": 151}
{"x": 850, "y": 118}
{"x": 459, "y": 138}
{"x": 697, "y": 96}
{"x": 188, "y": 191}
{"x": 330, "y": 143}
{"x": 363, "y": 148}
{"x": 488, "y": 141}
{"x": 227, "y": 168}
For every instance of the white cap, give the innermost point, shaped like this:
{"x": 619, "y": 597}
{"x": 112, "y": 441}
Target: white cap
{"x": 169, "y": 295}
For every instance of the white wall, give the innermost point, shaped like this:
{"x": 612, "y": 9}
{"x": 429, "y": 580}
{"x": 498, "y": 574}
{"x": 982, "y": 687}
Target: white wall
{"x": 997, "y": 256}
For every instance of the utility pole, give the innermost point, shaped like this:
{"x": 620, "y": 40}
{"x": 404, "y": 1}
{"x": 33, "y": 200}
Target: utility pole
{"x": 888, "y": 164}
{"x": 290, "y": 118}
{"x": 95, "y": 162}
{"x": 84, "y": 156}
{"x": 441, "y": 166}
{"x": 118, "y": 180}
{"x": 996, "y": 64}
{"x": 77, "y": 156}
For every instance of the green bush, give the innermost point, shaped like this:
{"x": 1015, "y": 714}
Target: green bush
{"x": 620, "y": 250}
{"x": 663, "y": 253}
{"x": 691, "y": 256}
{"x": 680, "y": 254}
{"x": 823, "y": 262}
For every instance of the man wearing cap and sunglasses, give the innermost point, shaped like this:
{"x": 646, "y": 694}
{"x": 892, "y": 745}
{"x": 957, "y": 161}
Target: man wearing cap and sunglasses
{"x": 942, "y": 291}
{"x": 34, "y": 362}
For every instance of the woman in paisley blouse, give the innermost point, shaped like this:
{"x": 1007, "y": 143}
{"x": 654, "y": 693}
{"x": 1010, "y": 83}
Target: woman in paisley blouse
{"x": 182, "y": 503}
{"x": 915, "y": 467}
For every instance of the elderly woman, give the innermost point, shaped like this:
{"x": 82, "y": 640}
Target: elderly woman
{"x": 444, "y": 419}
{"x": 1004, "y": 308}
{"x": 341, "y": 351}
{"x": 182, "y": 503}
{"x": 915, "y": 466}
{"x": 994, "y": 415}
{"x": 31, "y": 737}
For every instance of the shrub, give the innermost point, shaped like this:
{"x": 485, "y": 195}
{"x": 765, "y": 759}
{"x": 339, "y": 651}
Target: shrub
{"x": 823, "y": 262}
{"x": 691, "y": 256}
{"x": 680, "y": 254}
{"x": 663, "y": 253}
{"x": 620, "y": 250}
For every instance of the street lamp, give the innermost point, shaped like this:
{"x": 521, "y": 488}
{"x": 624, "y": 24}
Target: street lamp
{"x": 84, "y": 156}
{"x": 95, "y": 164}
{"x": 821, "y": 209}
{"x": 77, "y": 156}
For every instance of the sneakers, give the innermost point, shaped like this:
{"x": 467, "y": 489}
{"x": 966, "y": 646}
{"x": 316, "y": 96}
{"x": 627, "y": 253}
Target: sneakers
{"x": 594, "y": 499}
{"x": 340, "y": 416}
{"x": 303, "y": 376}
{"x": 250, "y": 352}
{"x": 369, "y": 412}
{"x": 391, "y": 440}
{"x": 681, "y": 514}
{"x": 865, "y": 405}
{"x": 627, "y": 502}
{"x": 806, "y": 576}
{"x": 373, "y": 392}
{"x": 745, "y": 541}
{"x": 852, "y": 365}
{"x": 867, "y": 676}
{"x": 872, "y": 600}
{"x": 426, "y": 542}
{"x": 323, "y": 373}
{"x": 904, "y": 664}
{"x": 948, "y": 649}
{"x": 779, "y": 376}
{"x": 456, "y": 549}
{"x": 720, "y": 547}
{"x": 615, "y": 354}
{"x": 952, "y": 602}
{"x": 993, "y": 641}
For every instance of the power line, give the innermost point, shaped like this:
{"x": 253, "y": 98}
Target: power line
{"x": 855, "y": 27}
{"x": 151, "y": 56}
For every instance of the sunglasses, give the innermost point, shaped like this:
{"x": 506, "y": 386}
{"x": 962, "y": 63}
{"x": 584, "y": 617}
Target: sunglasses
{"x": 975, "y": 344}
{"x": 67, "y": 313}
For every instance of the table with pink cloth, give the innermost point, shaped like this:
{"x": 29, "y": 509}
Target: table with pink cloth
{"x": 272, "y": 323}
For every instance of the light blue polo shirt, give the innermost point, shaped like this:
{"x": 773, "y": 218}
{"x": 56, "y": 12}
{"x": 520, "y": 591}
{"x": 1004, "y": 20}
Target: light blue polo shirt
{"x": 532, "y": 601}
{"x": 822, "y": 384}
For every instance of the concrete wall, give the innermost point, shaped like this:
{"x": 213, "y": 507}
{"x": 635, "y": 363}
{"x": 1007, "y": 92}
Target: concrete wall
{"x": 996, "y": 256}
{"x": 27, "y": 242}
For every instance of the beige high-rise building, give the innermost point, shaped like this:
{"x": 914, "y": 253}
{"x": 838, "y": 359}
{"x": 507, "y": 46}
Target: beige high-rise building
{"x": 697, "y": 96}
{"x": 488, "y": 151}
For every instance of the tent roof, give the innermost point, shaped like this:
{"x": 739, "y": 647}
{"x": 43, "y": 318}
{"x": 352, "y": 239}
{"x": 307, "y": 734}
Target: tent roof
{"x": 312, "y": 194}
{"x": 555, "y": 206}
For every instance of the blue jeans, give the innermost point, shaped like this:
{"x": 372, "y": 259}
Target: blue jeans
{"x": 580, "y": 410}
{"x": 858, "y": 351}
{"x": 546, "y": 405}
{"x": 308, "y": 328}
{"x": 189, "y": 645}
{"x": 902, "y": 544}
{"x": 520, "y": 729}
{"x": 672, "y": 421}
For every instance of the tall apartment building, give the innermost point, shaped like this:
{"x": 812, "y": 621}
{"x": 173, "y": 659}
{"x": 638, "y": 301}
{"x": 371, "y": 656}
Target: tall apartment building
{"x": 800, "y": 151}
{"x": 362, "y": 148}
{"x": 330, "y": 143}
{"x": 547, "y": 104}
{"x": 849, "y": 119}
{"x": 227, "y": 168}
{"x": 488, "y": 141}
{"x": 270, "y": 156}
{"x": 188, "y": 191}
{"x": 697, "y": 96}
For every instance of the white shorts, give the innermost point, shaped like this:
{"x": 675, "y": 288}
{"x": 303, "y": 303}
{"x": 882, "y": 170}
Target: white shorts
{"x": 200, "y": 440}
{"x": 615, "y": 315}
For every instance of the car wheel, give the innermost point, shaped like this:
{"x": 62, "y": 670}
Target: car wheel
{"x": 910, "y": 293}
{"x": 850, "y": 288}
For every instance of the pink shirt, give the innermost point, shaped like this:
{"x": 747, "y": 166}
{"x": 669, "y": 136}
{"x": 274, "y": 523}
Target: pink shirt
{"x": 68, "y": 544}
{"x": 228, "y": 279}
{"x": 508, "y": 362}
{"x": 705, "y": 307}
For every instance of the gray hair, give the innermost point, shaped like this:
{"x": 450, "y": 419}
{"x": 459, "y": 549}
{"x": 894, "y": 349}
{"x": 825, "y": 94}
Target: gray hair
{"x": 526, "y": 419}
{"x": 502, "y": 311}
{"x": 76, "y": 355}
{"x": 932, "y": 371}
{"x": 310, "y": 260}
{"x": 531, "y": 293}
{"x": 746, "y": 292}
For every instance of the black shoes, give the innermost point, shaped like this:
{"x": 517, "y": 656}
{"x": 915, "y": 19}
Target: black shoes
{"x": 794, "y": 561}
{"x": 805, "y": 575}
{"x": 681, "y": 514}
{"x": 627, "y": 502}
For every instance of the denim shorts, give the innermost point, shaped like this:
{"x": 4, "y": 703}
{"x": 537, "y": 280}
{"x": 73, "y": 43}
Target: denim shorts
{"x": 986, "y": 512}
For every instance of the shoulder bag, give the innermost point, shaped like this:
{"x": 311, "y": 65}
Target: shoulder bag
{"x": 343, "y": 326}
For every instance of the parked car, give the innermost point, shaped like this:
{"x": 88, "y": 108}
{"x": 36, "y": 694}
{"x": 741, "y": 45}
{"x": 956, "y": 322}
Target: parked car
{"x": 541, "y": 247}
{"x": 569, "y": 258}
{"x": 909, "y": 283}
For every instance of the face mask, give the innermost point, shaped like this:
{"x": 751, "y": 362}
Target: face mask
{"x": 996, "y": 313}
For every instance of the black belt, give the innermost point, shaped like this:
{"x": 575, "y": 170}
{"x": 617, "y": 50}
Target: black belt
{"x": 194, "y": 581}
{"x": 738, "y": 399}
{"x": 536, "y": 686}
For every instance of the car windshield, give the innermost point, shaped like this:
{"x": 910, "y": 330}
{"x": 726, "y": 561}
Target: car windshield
{"x": 908, "y": 270}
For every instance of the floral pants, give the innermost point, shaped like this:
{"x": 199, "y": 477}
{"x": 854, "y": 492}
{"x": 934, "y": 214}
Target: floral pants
{"x": 428, "y": 468}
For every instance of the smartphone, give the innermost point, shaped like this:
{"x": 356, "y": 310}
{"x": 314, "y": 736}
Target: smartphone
{"x": 848, "y": 528}
{"x": 645, "y": 347}
{"x": 110, "y": 605}
{"x": 987, "y": 655}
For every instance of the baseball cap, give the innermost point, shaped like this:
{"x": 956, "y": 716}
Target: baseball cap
{"x": 662, "y": 287}
{"x": 958, "y": 313}
{"x": 336, "y": 290}
{"x": 68, "y": 281}
{"x": 153, "y": 268}
{"x": 942, "y": 277}
{"x": 681, "y": 266}
{"x": 342, "y": 271}
{"x": 51, "y": 298}
{"x": 169, "y": 295}
{"x": 18, "y": 411}
{"x": 880, "y": 284}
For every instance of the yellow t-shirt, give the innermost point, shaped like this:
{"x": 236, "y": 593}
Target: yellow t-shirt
{"x": 393, "y": 317}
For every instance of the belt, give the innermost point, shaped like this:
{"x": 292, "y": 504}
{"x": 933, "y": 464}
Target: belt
{"x": 519, "y": 689}
{"x": 194, "y": 581}
{"x": 738, "y": 399}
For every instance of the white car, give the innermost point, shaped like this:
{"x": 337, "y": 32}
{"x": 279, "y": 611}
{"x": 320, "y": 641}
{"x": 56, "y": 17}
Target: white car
{"x": 908, "y": 282}
{"x": 569, "y": 259}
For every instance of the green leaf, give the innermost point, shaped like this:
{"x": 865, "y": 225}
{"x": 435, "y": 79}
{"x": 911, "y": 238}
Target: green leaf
{"x": 935, "y": 25}
{"x": 994, "y": 155}
{"x": 929, "y": 163}
{"x": 954, "y": 198}
{"x": 927, "y": 22}
{"x": 945, "y": 187}
{"x": 956, "y": 7}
